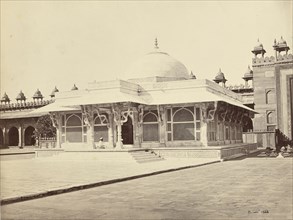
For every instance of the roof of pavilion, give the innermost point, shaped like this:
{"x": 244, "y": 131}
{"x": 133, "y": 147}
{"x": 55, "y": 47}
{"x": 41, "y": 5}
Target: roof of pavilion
{"x": 151, "y": 93}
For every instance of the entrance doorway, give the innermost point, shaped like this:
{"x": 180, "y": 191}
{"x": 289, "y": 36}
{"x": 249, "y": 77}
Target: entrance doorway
{"x": 127, "y": 132}
{"x": 13, "y": 137}
{"x": 29, "y": 139}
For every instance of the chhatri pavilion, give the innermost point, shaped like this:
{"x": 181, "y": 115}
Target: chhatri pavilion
{"x": 158, "y": 104}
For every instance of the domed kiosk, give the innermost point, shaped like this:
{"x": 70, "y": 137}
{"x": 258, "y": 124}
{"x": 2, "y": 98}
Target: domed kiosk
{"x": 156, "y": 66}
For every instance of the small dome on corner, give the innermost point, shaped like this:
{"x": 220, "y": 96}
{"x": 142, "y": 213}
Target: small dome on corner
{"x": 74, "y": 88}
{"x": 220, "y": 77}
{"x": 21, "y": 96}
{"x": 38, "y": 95}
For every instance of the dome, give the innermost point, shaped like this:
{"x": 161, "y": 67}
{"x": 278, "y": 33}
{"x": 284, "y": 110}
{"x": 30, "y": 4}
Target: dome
{"x": 21, "y": 96}
{"x": 248, "y": 74}
{"x": 5, "y": 98}
{"x": 282, "y": 42}
{"x": 74, "y": 88}
{"x": 38, "y": 95}
{"x": 220, "y": 77}
{"x": 157, "y": 64}
{"x": 258, "y": 45}
{"x": 53, "y": 92}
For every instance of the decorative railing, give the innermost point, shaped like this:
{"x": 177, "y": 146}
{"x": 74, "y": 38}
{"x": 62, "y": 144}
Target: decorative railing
{"x": 47, "y": 142}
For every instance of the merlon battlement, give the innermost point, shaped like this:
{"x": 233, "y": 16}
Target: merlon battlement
{"x": 285, "y": 58}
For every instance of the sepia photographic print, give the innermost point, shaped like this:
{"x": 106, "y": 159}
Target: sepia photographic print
{"x": 128, "y": 110}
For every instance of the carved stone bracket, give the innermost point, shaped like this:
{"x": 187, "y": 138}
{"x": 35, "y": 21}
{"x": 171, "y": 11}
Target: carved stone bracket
{"x": 122, "y": 116}
{"x": 224, "y": 112}
{"x": 103, "y": 118}
{"x": 211, "y": 112}
{"x": 140, "y": 114}
{"x": 238, "y": 116}
{"x": 125, "y": 114}
{"x": 55, "y": 117}
{"x": 116, "y": 116}
{"x": 86, "y": 114}
{"x": 160, "y": 110}
{"x": 233, "y": 112}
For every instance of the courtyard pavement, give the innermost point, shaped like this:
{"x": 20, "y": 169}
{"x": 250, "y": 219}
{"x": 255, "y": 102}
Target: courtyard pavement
{"x": 252, "y": 188}
{"x": 42, "y": 176}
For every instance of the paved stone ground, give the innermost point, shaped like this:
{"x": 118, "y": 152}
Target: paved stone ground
{"x": 30, "y": 176}
{"x": 253, "y": 188}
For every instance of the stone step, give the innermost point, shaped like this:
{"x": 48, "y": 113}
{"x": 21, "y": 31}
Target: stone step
{"x": 145, "y": 156}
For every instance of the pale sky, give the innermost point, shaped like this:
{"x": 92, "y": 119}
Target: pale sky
{"x": 48, "y": 43}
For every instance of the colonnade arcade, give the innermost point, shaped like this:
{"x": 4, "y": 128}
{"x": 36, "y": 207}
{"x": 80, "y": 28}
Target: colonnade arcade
{"x": 133, "y": 125}
{"x": 18, "y": 132}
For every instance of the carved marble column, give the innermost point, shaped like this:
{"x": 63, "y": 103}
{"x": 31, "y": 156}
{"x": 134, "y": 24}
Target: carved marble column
{"x": 111, "y": 131}
{"x": 118, "y": 122}
{"x": 58, "y": 136}
{"x": 91, "y": 133}
{"x": 119, "y": 144}
{"x": 4, "y": 130}
{"x": 88, "y": 118}
{"x": 204, "y": 126}
{"x": 20, "y": 144}
{"x": 56, "y": 121}
{"x": 162, "y": 126}
{"x": 136, "y": 135}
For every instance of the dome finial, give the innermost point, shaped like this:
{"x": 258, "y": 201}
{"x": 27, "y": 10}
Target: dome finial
{"x": 156, "y": 43}
{"x": 192, "y": 76}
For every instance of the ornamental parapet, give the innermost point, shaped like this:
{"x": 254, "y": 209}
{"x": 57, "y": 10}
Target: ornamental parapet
{"x": 24, "y": 105}
{"x": 240, "y": 88}
{"x": 284, "y": 58}
{"x": 263, "y": 61}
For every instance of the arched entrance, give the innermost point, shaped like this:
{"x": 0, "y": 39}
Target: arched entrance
{"x": 127, "y": 132}
{"x": 29, "y": 139}
{"x": 13, "y": 136}
{"x": 1, "y": 137}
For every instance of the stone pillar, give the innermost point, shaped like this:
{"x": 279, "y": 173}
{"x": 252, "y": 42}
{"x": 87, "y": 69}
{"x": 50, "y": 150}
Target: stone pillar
{"x": 4, "y": 136}
{"x": 90, "y": 127}
{"x": 20, "y": 144}
{"x": 204, "y": 133}
{"x": 136, "y": 135}
{"x": 58, "y": 131}
{"x": 119, "y": 144}
{"x": 204, "y": 126}
{"x": 91, "y": 135}
{"x": 111, "y": 131}
{"x": 162, "y": 128}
